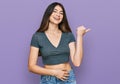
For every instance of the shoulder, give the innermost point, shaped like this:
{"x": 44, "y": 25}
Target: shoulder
{"x": 37, "y": 35}
{"x": 68, "y": 33}
{"x": 70, "y": 36}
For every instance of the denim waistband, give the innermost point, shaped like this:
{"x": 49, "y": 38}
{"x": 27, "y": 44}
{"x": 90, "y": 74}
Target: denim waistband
{"x": 47, "y": 79}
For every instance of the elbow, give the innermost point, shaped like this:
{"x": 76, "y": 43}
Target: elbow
{"x": 77, "y": 61}
{"x": 77, "y": 64}
{"x": 30, "y": 68}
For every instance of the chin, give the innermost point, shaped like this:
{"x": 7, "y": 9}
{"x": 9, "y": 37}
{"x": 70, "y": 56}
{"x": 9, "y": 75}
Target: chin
{"x": 56, "y": 23}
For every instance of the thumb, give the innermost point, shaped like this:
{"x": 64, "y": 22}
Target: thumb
{"x": 64, "y": 69}
{"x": 87, "y": 30}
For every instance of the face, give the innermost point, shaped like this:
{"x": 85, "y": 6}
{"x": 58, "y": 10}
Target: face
{"x": 57, "y": 15}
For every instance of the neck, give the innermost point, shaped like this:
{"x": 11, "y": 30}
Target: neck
{"x": 53, "y": 28}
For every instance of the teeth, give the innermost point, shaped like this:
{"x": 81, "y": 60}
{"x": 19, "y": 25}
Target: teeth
{"x": 56, "y": 18}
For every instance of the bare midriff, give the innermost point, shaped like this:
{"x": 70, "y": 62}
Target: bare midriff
{"x": 65, "y": 66}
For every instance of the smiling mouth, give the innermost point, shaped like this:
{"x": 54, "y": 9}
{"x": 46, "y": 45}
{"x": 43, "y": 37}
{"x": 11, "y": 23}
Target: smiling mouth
{"x": 56, "y": 18}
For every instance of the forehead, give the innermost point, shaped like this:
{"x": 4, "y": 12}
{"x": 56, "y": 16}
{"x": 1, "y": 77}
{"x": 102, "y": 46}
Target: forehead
{"x": 59, "y": 8}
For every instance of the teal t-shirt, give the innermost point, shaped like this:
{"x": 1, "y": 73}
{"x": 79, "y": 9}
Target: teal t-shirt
{"x": 53, "y": 55}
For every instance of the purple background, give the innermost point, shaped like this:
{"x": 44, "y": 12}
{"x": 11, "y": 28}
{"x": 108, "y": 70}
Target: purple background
{"x": 19, "y": 19}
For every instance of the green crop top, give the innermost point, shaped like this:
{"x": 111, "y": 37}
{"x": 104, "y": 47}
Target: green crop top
{"x": 53, "y": 55}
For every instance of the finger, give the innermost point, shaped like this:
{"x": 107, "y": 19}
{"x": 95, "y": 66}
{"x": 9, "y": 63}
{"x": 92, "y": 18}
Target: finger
{"x": 66, "y": 75}
{"x": 64, "y": 69}
{"x": 87, "y": 30}
{"x": 64, "y": 78}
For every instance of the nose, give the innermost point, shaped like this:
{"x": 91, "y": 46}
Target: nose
{"x": 58, "y": 14}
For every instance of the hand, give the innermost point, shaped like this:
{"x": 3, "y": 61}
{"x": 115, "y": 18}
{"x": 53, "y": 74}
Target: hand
{"x": 62, "y": 74}
{"x": 81, "y": 30}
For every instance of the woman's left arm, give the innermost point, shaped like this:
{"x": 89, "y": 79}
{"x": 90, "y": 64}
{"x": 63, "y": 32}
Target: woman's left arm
{"x": 76, "y": 48}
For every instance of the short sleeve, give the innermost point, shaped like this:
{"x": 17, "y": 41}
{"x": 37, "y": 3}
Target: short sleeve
{"x": 34, "y": 41}
{"x": 72, "y": 38}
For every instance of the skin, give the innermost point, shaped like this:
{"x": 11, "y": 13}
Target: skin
{"x": 53, "y": 33}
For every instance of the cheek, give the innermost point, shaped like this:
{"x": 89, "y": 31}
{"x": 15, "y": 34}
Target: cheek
{"x": 61, "y": 18}
{"x": 50, "y": 18}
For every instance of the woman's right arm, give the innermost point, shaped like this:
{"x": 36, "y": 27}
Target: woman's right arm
{"x": 32, "y": 63}
{"x": 33, "y": 67}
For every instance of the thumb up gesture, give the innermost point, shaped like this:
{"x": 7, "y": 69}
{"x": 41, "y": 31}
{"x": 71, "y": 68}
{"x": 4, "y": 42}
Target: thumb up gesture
{"x": 81, "y": 30}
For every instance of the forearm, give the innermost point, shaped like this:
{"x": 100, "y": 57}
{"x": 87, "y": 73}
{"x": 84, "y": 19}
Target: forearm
{"x": 41, "y": 70}
{"x": 79, "y": 50}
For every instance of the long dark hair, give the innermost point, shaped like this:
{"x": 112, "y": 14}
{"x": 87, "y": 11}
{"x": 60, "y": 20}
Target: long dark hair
{"x": 63, "y": 26}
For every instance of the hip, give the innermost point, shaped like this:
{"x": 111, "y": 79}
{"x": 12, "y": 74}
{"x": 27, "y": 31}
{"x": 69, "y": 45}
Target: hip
{"x": 47, "y": 79}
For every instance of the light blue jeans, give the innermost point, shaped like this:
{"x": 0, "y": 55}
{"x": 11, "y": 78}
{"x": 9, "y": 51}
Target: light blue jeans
{"x": 46, "y": 79}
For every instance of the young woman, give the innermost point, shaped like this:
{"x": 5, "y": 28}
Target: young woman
{"x": 55, "y": 42}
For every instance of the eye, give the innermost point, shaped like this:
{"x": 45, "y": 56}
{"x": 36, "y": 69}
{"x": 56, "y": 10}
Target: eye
{"x": 61, "y": 13}
{"x": 54, "y": 10}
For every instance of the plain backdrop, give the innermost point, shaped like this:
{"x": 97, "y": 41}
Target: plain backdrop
{"x": 19, "y": 19}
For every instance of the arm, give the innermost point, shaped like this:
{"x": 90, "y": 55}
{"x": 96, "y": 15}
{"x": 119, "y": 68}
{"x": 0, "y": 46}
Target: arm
{"x": 33, "y": 67}
{"x": 32, "y": 63}
{"x": 76, "y": 48}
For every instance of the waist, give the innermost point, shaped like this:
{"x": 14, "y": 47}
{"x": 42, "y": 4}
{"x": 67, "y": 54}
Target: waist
{"x": 66, "y": 66}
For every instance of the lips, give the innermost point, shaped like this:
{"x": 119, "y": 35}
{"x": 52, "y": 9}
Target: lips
{"x": 56, "y": 18}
